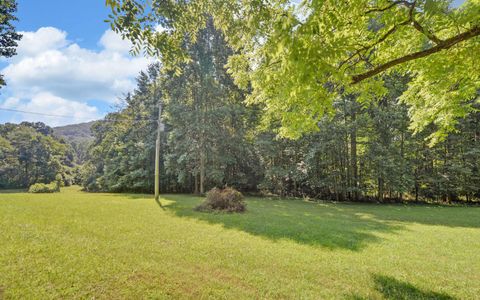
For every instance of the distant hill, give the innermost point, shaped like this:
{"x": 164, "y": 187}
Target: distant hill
{"x": 77, "y": 135}
{"x": 75, "y": 132}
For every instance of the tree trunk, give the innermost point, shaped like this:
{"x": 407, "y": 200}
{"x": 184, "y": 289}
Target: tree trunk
{"x": 347, "y": 182}
{"x": 416, "y": 190}
{"x": 202, "y": 171}
{"x": 353, "y": 150}
{"x": 380, "y": 189}
{"x": 402, "y": 155}
{"x": 196, "y": 184}
{"x": 27, "y": 176}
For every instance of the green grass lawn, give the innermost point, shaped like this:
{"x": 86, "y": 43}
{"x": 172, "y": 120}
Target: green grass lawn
{"x": 75, "y": 244}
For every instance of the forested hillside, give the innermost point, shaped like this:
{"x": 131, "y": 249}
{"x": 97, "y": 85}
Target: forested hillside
{"x": 79, "y": 136}
{"x": 31, "y": 153}
{"x": 364, "y": 150}
{"x": 75, "y": 132}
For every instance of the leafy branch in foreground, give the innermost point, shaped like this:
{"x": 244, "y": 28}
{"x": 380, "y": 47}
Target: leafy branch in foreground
{"x": 441, "y": 45}
{"x": 298, "y": 59}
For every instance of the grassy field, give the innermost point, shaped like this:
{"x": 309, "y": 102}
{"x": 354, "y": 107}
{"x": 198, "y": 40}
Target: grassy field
{"x": 109, "y": 246}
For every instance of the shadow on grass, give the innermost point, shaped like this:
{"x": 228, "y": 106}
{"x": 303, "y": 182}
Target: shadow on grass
{"x": 12, "y": 191}
{"x": 394, "y": 289}
{"x": 329, "y": 226}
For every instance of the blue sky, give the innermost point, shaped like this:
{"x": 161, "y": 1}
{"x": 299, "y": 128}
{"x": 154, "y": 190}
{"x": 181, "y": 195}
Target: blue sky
{"x": 82, "y": 19}
{"x": 68, "y": 63}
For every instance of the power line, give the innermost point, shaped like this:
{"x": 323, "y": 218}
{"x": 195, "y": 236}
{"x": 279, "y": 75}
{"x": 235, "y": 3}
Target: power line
{"x": 34, "y": 113}
{"x": 72, "y": 117}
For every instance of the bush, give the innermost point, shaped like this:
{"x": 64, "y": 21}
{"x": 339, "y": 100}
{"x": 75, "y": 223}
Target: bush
{"x": 52, "y": 187}
{"x": 225, "y": 200}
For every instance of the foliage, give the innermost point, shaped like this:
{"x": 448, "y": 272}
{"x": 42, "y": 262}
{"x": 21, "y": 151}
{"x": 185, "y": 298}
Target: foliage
{"x": 277, "y": 249}
{"x": 8, "y": 36}
{"x": 52, "y": 187}
{"x": 207, "y": 120}
{"x": 30, "y": 153}
{"x": 225, "y": 200}
{"x": 79, "y": 136}
{"x": 369, "y": 153}
{"x": 205, "y": 142}
{"x": 121, "y": 156}
{"x": 362, "y": 152}
{"x": 300, "y": 58}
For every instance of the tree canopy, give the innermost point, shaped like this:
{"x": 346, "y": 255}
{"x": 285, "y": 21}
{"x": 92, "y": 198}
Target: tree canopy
{"x": 30, "y": 153}
{"x": 299, "y": 58}
{"x": 8, "y": 36}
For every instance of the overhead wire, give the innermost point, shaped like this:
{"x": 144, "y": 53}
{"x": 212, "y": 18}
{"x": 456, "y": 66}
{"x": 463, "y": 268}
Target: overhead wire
{"x": 72, "y": 117}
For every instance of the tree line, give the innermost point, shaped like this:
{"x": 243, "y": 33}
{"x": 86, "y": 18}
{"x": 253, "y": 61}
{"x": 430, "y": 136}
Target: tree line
{"x": 363, "y": 149}
{"x": 30, "y": 153}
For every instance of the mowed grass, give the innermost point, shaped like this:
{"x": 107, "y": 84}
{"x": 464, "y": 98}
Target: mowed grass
{"x": 109, "y": 246}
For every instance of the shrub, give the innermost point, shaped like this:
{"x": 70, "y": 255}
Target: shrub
{"x": 225, "y": 200}
{"x": 58, "y": 181}
{"x": 52, "y": 187}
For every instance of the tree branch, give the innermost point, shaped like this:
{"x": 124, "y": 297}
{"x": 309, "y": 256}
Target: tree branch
{"x": 378, "y": 9}
{"x": 427, "y": 33}
{"x": 443, "y": 45}
{"x": 392, "y": 30}
{"x": 381, "y": 39}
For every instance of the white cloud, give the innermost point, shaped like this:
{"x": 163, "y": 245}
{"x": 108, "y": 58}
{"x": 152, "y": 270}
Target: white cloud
{"x": 51, "y": 69}
{"x": 45, "y": 103}
{"x": 11, "y": 102}
{"x": 45, "y": 38}
{"x": 111, "y": 41}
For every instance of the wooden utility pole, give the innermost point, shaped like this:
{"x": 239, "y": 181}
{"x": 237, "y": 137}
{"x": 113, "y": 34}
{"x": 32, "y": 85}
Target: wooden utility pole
{"x": 157, "y": 155}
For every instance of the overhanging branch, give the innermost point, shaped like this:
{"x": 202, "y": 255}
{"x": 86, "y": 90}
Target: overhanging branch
{"x": 443, "y": 45}
{"x": 427, "y": 33}
{"x": 378, "y": 9}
